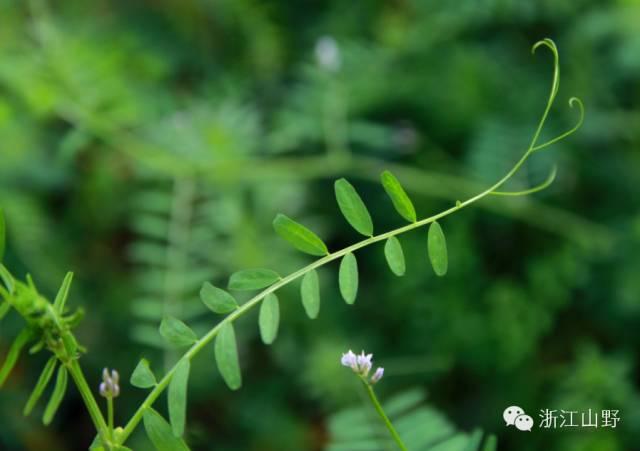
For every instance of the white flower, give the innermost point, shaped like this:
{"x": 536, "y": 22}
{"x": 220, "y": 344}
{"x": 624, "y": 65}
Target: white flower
{"x": 364, "y": 363}
{"x": 361, "y": 364}
{"x": 349, "y": 359}
{"x": 377, "y": 375}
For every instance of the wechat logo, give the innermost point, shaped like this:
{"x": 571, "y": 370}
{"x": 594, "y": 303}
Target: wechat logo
{"x": 515, "y": 416}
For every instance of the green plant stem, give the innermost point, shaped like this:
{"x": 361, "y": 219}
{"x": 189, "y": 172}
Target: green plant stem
{"x": 385, "y": 419}
{"x": 73, "y": 366}
{"x": 90, "y": 402}
{"x": 110, "y": 414}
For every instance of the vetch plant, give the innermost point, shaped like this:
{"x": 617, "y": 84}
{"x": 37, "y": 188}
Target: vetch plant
{"x": 49, "y": 325}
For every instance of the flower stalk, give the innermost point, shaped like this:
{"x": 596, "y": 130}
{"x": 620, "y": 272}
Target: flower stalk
{"x": 361, "y": 365}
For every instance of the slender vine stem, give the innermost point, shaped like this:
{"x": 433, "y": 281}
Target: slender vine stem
{"x": 388, "y": 424}
{"x": 209, "y": 336}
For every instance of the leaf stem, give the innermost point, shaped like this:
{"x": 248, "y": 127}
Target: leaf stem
{"x": 383, "y": 415}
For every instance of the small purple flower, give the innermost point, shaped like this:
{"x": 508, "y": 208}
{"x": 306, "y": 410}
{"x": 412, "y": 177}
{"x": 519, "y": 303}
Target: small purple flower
{"x": 377, "y": 375}
{"x": 110, "y": 385}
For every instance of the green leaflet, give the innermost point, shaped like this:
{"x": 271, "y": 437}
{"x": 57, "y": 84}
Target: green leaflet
{"x": 395, "y": 256}
{"x": 216, "y": 299}
{"x": 63, "y": 292}
{"x": 226, "y": 351}
{"x": 3, "y": 235}
{"x": 399, "y": 197}
{"x": 253, "y": 279}
{"x": 14, "y": 352}
{"x": 299, "y": 236}
{"x": 41, "y": 385}
{"x": 269, "y": 318}
{"x": 352, "y": 207}
{"x": 177, "y": 397}
{"x": 142, "y": 376}
{"x": 348, "y": 278}
{"x": 160, "y": 433}
{"x": 310, "y": 293}
{"x": 56, "y": 396}
{"x": 437, "y": 246}
{"x": 177, "y": 333}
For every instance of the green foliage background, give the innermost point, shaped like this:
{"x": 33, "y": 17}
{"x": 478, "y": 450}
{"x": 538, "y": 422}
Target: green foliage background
{"x": 147, "y": 146}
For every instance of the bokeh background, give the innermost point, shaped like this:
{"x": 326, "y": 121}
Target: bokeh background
{"x": 147, "y": 146}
